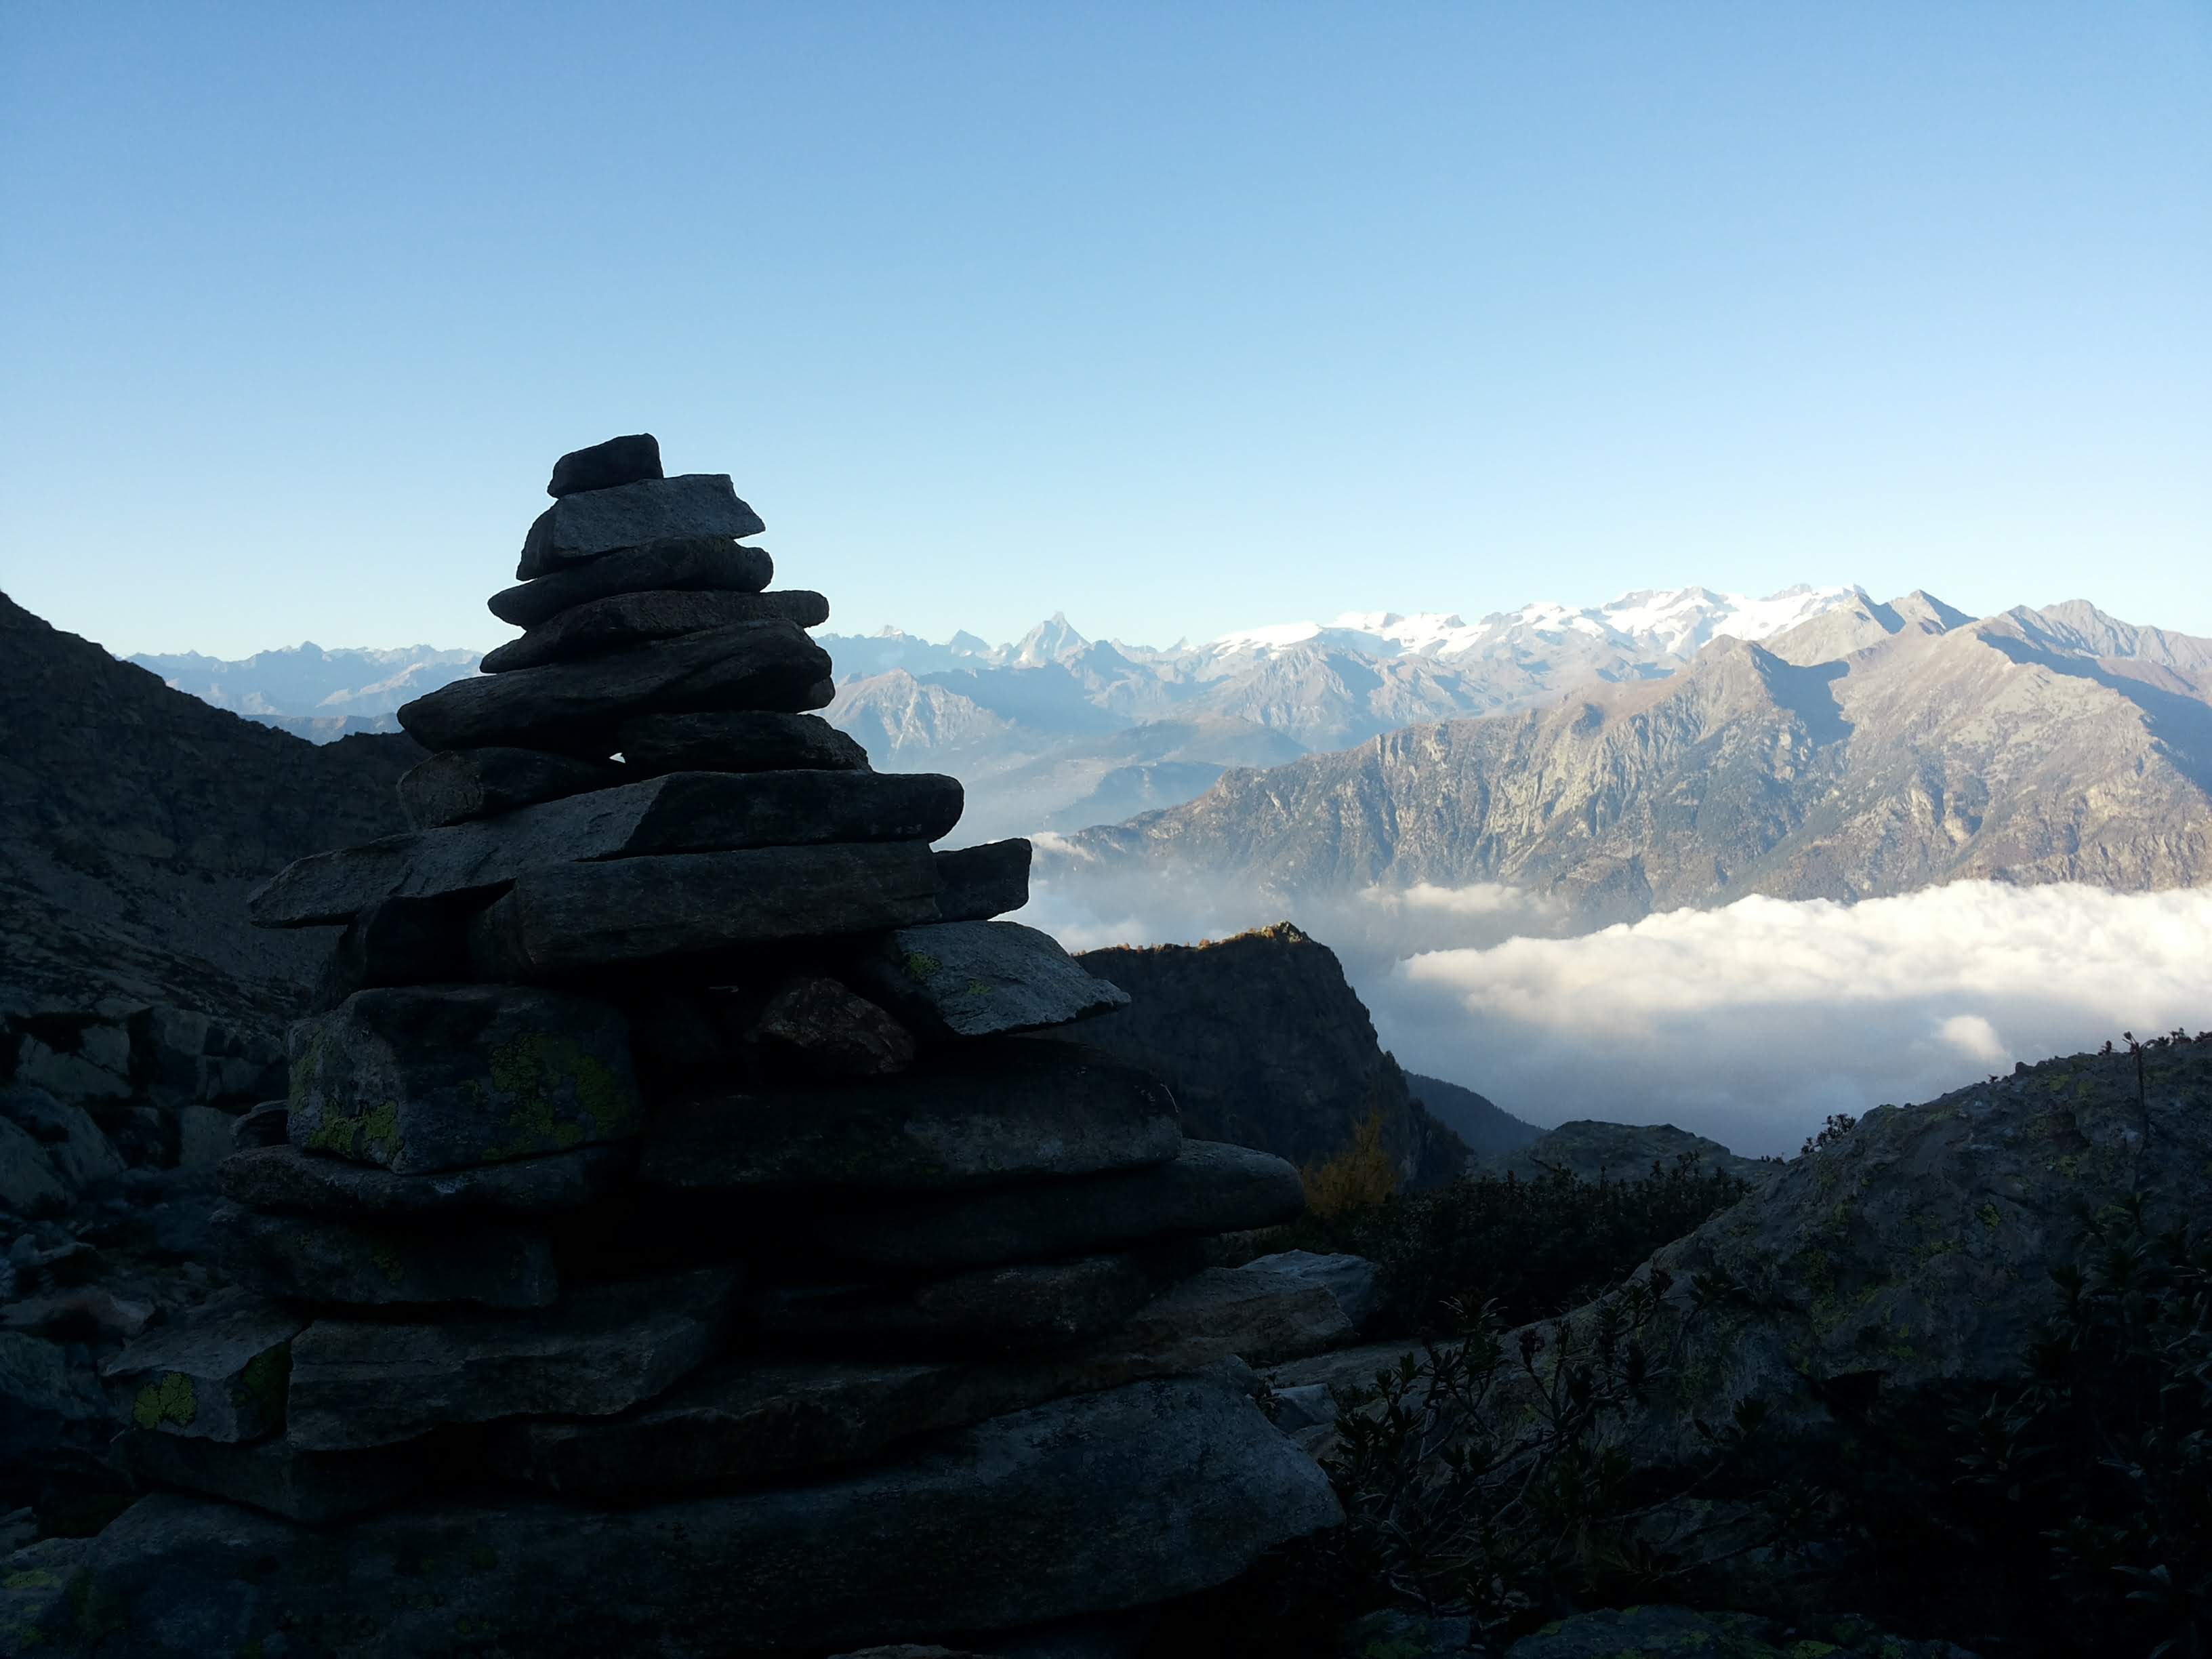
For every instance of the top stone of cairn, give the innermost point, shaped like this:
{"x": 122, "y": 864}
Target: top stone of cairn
{"x": 592, "y": 522}
{"x": 617, "y": 461}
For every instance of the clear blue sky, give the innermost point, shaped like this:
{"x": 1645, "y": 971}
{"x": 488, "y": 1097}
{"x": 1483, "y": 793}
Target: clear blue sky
{"x": 1180, "y": 318}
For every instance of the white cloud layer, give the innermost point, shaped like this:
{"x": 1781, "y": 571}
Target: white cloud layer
{"x": 1749, "y": 1024}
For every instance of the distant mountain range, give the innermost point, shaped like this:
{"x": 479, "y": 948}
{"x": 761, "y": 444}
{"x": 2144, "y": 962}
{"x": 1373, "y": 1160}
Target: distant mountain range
{"x": 312, "y": 693}
{"x": 1871, "y": 749}
{"x": 1056, "y": 732}
{"x": 1672, "y": 748}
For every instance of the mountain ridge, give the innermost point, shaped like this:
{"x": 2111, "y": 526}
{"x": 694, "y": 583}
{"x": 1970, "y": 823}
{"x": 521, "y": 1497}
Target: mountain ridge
{"x": 1983, "y": 749}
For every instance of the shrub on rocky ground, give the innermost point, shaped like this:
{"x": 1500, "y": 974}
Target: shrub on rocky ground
{"x": 1529, "y": 1247}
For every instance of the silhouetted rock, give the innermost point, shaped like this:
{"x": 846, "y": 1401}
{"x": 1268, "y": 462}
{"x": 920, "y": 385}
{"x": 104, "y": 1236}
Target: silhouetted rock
{"x": 285, "y": 1178}
{"x": 984, "y": 881}
{"x": 576, "y": 707}
{"x": 1266, "y": 1045}
{"x": 975, "y": 1116}
{"x": 310, "y": 1259}
{"x": 133, "y": 820}
{"x": 745, "y": 1421}
{"x": 975, "y": 979}
{"x": 1592, "y": 1150}
{"x": 622, "y": 621}
{"x": 682, "y": 813}
{"x": 461, "y": 784}
{"x": 275, "y": 1475}
{"x": 1206, "y": 1188}
{"x": 395, "y": 941}
{"x": 601, "y": 1349}
{"x": 986, "y": 1310}
{"x": 627, "y": 911}
{"x": 1090, "y": 1504}
{"x": 604, "y": 465}
{"x": 737, "y": 742}
{"x": 703, "y": 563}
{"x": 582, "y": 526}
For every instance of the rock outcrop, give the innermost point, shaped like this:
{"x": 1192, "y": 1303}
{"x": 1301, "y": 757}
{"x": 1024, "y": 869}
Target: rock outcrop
{"x": 1909, "y": 1262}
{"x": 1266, "y": 1044}
{"x": 140, "y": 1016}
{"x": 1593, "y": 1151}
{"x": 670, "y": 1173}
{"x": 1913, "y": 1257}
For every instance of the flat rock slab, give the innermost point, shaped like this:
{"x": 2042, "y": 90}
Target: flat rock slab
{"x": 975, "y": 979}
{"x": 1207, "y": 1188}
{"x": 996, "y": 1114}
{"x": 595, "y": 521}
{"x": 602, "y": 465}
{"x": 712, "y": 565}
{"x": 575, "y": 708}
{"x": 983, "y": 881}
{"x": 682, "y": 813}
{"x": 218, "y": 1377}
{"x": 629, "y": 911}
{"x": 426, "y": 1077}
{"x": 283, "y": 1178}
{"x": 482, "y": 783}
{"x": 985, "y": 1310}
{"x": 275, "y": 1475}
{"x": 737, "y": 742}
{"x": 1262, "y": 1319}
{"x": 622, "y": 621}
{"x": 602, "y": 1349}
{"x": 1353, "y": 1281}
{"x": 303, "y": 1258}
{"x": 1087, "y": 1505}
{"x": 743, "y": 1421}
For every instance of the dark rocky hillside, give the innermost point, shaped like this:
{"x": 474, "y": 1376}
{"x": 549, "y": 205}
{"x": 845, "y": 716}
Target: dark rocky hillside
{"x": 134, "y": 819}
{"x": 1266, "y": 1045}
{"x": 1485, "y": 1126}
{"x": 1863, "y": 755}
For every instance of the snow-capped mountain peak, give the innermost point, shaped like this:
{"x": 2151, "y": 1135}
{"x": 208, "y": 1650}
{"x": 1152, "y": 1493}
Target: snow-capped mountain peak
{"x": 1674, "y": 622}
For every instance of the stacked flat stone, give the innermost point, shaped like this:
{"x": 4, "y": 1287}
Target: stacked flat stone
{"x": 670, "y": 1138}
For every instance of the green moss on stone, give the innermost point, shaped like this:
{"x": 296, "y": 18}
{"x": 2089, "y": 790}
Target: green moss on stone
{"x": 98, "y": 1610}
{"x": 307, "y": 1071}
{"x": 549, "y": 1080}
{"x": 264, "y": 1380}
{"x": 380, "y": 1130}
{"x": 169, "y": 1400}
{"x": 921, "y": 967}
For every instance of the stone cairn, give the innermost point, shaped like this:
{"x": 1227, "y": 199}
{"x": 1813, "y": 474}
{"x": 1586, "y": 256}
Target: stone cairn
{"x": 671, "y": 1242}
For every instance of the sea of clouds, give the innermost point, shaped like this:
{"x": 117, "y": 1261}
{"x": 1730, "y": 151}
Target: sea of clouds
{"x": 1749, "y": 1022}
